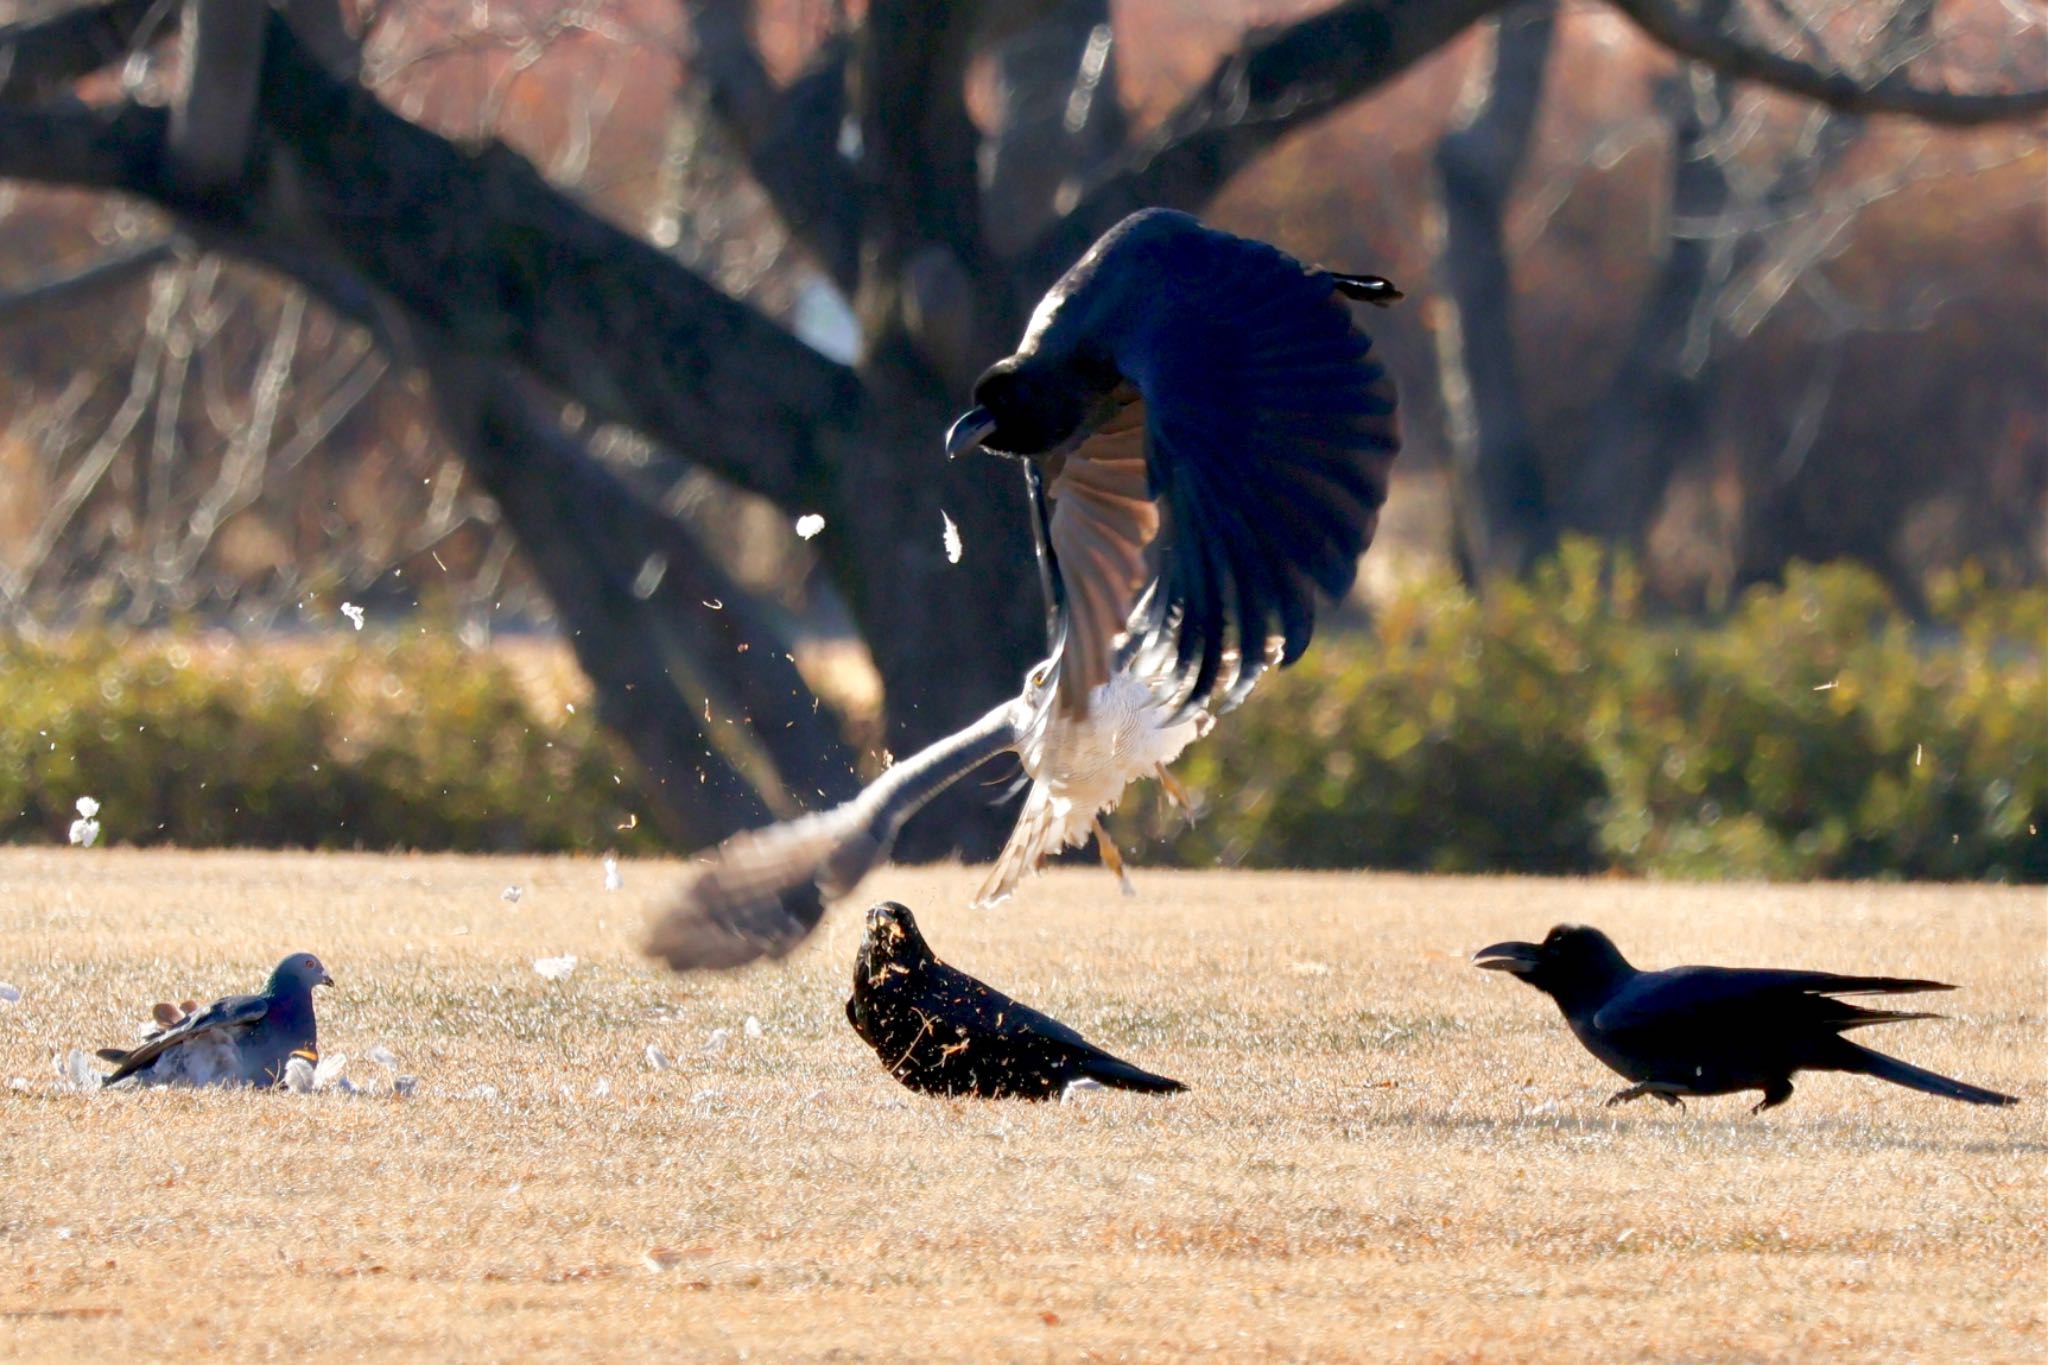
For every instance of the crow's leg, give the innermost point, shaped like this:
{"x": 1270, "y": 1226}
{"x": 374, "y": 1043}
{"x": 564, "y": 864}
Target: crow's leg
{"x": 1636, "y": 1092}
{"x": 1775, "y": 1094}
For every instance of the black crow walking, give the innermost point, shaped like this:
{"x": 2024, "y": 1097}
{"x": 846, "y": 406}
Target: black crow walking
{"x": 1716, "y": 1030}
{"x": 940, "y": 1031}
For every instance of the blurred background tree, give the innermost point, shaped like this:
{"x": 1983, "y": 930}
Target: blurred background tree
{"x": 520, "y": 314}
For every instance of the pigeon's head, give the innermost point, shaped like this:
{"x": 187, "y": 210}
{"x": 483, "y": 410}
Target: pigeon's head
{"x": 1023, "y": 406}
{"x": 299, "y": 973}
{"x": 892, "y": 935}
{"x": 1570, "y": 954}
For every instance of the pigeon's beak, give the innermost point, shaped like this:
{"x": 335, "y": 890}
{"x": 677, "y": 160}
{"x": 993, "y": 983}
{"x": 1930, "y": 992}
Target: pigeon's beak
{"x": 1519, "y": 958}
{"x": 325, "y": 979}
{"x": 969, "y": 432}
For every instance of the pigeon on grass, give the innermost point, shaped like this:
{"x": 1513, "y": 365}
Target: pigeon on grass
{"x": 242, "y": 1040}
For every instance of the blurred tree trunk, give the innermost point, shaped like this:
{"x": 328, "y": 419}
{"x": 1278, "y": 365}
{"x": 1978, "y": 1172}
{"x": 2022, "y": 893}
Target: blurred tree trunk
{"x": 1504, "y": 514}
{"x": 513, "y": 296}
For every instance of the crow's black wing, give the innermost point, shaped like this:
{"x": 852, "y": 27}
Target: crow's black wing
{"x": 1696, "y": 996}
{"x": 962, "y": 1000}
{"x": 1270, "y": 429}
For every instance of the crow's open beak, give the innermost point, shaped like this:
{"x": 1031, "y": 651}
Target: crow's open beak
{"x": 972, "y": 428}
{"x": 1519, "y": 958}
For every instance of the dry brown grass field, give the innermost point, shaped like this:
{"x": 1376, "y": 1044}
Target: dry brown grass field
{"x": 1386, "y": 1154}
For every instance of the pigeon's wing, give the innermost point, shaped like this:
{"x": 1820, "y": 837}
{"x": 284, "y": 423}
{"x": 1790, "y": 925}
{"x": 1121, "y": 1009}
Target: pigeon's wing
{"x": 229, "y": 1017}
{"x": 1103, "y": 522}
{"x": 762, "y": 892}
{"x": 1270, "y": 431}
{"x": 1694, "y": 996}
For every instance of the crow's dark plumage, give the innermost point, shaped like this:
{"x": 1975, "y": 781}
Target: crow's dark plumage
{"x": 242, "y": 1040}
{"x": 1206, "y": 438}
{"x": 1716, "y": 1030}
{"x": 940, "y": 1031}
{"x": 1214, "y": 437}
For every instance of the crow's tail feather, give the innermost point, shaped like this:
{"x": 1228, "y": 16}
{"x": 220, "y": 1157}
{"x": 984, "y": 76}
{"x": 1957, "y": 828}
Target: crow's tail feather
{"x": 1858, "y": 1058}
{"x": 1121, "y": 1075}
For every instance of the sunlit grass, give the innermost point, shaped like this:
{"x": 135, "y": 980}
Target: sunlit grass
{"x": 1386, "y": 1153}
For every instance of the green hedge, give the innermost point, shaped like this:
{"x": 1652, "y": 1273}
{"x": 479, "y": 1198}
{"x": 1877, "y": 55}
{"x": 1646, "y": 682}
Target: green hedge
{"x": 1554, "y": 725}
{"x": 385, "y": 743}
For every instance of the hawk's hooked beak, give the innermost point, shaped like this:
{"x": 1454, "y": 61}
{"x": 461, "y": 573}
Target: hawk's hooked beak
{"x": 967, "y": 433}
{"x": 1519, "y": 958}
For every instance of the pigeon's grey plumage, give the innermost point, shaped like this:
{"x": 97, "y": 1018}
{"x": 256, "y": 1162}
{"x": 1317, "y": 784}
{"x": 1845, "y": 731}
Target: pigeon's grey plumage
{"x": 1206, "y": 439}
{"x": 940, "y": 1031}
{"x": 1716, "y": 1030}
{"x": 242, "y": 1040}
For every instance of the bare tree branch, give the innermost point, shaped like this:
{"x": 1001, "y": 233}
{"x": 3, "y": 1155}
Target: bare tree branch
{"x": 1719, "y": 46}
{"x": 481, "y": 246}
{"x": 1503, "y": 514}
{"x": 790, "y": 136}
{"x": 213, "y": 119}
{"x": 42, "y": 57}
{"x": 110, "y": 271}
{"x": 1279, "y": 80}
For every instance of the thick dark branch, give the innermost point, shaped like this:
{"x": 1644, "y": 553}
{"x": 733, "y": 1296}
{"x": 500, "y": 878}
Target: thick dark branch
{"x": 1719, "y": 47}
{"x": 62, "y": 291}
{"x": 41, "y": 57}
{"x": 482, "y": 248}
{"x": 1504, "y": 518}
{"x": 918, "y": 145}
{"x": 214, "y": 117}
{"x": 1280, "y": 80}
{"x": 652, "y": 618}
{"x": 789, "y": 135}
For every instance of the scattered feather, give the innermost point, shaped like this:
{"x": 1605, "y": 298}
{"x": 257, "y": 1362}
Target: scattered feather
{"x": 403, "y": 1086}
{"x": 808, "y": 525}
{"x": 328, "y": 1070}
{"x": 602, "y": 1089}
{"x": 716, "y": 1042}
{"x": 555, "y": 968}
{"x": 78, "y": 1071}
{"x": 384, "y": 1057}
{"x": 481, "y": 1092}
{"x": 752, "y": 1028}
{"x": 950, "y": 538}
{"x": 85, "y": 830}
{"x": 657, "y": 1059}
{"x": 354, "y": 614}
{"x": 298, "y": 1076}
{"x": 9, "y": 995}
{"x": 612, "y": 880}
{"x": 17, "y": 1083}
{"x": 511, "y": 894}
